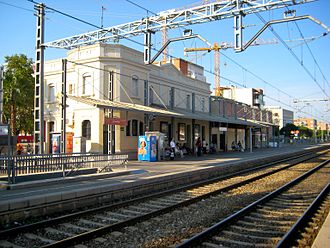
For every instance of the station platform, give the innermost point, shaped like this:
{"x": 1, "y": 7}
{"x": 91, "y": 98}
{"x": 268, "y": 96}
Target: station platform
{"x": 134, "y": 174}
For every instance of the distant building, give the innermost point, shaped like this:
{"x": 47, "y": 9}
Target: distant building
{"x": 250, "y": 96}
{"x": 281, "y": 116}
{"x": 322, "y": 126}
{"x": 306, "y": 122}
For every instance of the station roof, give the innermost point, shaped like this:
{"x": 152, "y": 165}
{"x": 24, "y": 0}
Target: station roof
{"x": 179, "y": 113}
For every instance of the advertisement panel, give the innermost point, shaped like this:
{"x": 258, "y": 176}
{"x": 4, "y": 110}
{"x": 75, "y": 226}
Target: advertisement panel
{"x": 143, "y": 148}
{"x": 153, "y": 148}
{"x": 56, "y": 143}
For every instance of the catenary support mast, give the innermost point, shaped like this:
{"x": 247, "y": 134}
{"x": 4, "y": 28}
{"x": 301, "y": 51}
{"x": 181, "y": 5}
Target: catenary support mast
{"x": 39, "y": 125}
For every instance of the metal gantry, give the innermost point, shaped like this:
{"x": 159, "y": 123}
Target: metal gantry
{"x": 174, "y": 18}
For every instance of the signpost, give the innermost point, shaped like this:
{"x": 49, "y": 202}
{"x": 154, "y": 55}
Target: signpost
{"x": 4, "y": 130}
{"x": 115, "y": 121}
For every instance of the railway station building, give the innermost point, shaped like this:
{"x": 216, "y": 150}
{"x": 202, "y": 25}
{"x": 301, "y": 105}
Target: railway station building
{"x": 113, "y": 97}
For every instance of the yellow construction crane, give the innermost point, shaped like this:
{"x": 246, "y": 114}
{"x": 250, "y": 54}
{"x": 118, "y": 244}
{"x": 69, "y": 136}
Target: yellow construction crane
{"x": 216, "y": 48}
{"x": 225, "y": 45}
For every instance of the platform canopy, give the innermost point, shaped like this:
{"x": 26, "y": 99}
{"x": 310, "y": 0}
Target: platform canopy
{"x": 178, "y": 113}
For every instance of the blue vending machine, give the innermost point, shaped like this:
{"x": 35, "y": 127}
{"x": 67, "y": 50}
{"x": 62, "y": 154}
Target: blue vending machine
{"x": 147, "y": 148}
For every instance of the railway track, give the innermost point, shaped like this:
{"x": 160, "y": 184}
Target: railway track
{"x": 275, "y": 220}
{"x": 76, "y": 228}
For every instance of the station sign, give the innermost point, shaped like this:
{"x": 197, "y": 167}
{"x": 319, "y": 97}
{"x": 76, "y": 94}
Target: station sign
{"x": 115, "y": 121}
{"x": 223, "y": 129}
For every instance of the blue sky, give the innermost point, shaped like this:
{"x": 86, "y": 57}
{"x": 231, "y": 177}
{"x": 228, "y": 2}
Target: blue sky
{"x": 274, "y": 68}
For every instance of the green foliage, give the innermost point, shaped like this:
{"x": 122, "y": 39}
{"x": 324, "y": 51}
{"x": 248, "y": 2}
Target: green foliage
{"x": 19, "y": 93}
{"x": 286, "y": 131}
{"x": 305, "y": 132}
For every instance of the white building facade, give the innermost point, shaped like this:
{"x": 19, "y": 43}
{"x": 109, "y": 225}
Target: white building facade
{"x": 113, "y": 97}
{"x": 117, "y": 73}
{"x": 281, "y": 116}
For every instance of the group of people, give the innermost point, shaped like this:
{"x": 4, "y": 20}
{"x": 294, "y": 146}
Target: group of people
{"x": 237, "y": 147}
{"x": 179, "y": 149}
{"x": 201, "y": 147}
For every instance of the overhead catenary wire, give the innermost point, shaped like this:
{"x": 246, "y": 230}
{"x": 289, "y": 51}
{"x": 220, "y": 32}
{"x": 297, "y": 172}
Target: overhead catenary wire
{"x": 309, "y": 49}
{"x": 208, "y": 71}
{"x": 15, "y": 6}
{"x": 291, "y": 52}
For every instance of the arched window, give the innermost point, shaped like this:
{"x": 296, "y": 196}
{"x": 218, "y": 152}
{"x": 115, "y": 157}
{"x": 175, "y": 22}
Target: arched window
{"x": 86, "y": 129}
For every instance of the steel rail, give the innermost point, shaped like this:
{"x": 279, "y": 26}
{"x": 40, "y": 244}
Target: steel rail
{"x": 197, "y": 239}
{"x": 60, "y": 219}
{"x": 289, "y": 238}
{"x": 113, "y": 227}
{"x": 99, "y": 231}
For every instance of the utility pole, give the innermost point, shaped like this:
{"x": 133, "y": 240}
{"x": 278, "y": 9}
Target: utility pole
{"x": 1, "y": 92}
{"x": 63, "y": 106}
{"x": 39, "y": 125}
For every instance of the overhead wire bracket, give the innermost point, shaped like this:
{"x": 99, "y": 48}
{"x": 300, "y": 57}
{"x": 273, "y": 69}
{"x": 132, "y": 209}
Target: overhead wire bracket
{"x": 287, "y": 19}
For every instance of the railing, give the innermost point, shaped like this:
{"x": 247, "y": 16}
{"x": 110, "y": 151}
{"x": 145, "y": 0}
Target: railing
{"x": 68, "y": 164}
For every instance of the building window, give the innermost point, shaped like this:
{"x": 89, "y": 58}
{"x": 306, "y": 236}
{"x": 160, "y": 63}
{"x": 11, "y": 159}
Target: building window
{"x": 71, "y": 89}
{"x": 135, "y": 86}
{"x": 51, "y": 93}
{"x": 182, "y": 132}
{"x": 188, "y": 102}
{"x": 141, "y": 129}
{"x": 134, "y": 127}
{"x": 86, "y": 129}
{"x": 51, "y": 125}
{"x": 87, "y": 85}
{"x": 203, "y": 104}
{"x": 164, "y": 127}
{"x": 128, "y": 128}
{"x": 151, "y": 96}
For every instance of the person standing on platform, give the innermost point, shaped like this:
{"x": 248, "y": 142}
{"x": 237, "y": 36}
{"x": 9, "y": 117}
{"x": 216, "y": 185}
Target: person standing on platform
{"x": 172, "y": 145}
{"x": 198, "y": 145}
{"x": 204, "y": 144}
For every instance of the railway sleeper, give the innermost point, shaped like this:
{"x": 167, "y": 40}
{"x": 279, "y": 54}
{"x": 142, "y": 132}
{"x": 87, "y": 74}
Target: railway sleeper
{"x": 272, "y": 215}
{"x": 268, "y": 233}
{"x": 7, "y": 244}
{"x": 39, "y": 238}
{"x": 281, "y": 206}
{"x": 141, "y": 209}
{"x": 58, "y": 232}
{"x": 263, "y": 226}
{"x": 268, "y": 209}
{"x": 153, "y": 205}
{"x": 295, "y": 201}
{"x": 289, "y": 204}
{"x": 119, "y": 216}
{"x": 91, "y": 223}
{"x": 271, "y": 222}
{"x": 247, "y": 237}
{"x": 169, "y": 201}
{"x": 238, "y": 243}
{"x": 211, "y": 245}
{"x": 110, "y": 220}
{"x": 75, "y": 228}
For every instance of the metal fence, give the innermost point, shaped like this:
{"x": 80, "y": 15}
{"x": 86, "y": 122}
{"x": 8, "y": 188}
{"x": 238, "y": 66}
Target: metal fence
{"x": 68, "y": 164}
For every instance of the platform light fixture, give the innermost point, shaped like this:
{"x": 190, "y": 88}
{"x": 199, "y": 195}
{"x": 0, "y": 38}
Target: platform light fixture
{"x": 187, "y": 32}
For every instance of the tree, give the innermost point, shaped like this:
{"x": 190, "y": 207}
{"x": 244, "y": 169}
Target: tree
{"x": 305, "y": 132}
{"x": 18, "y": 97}
{"x": 286, "y": 131}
